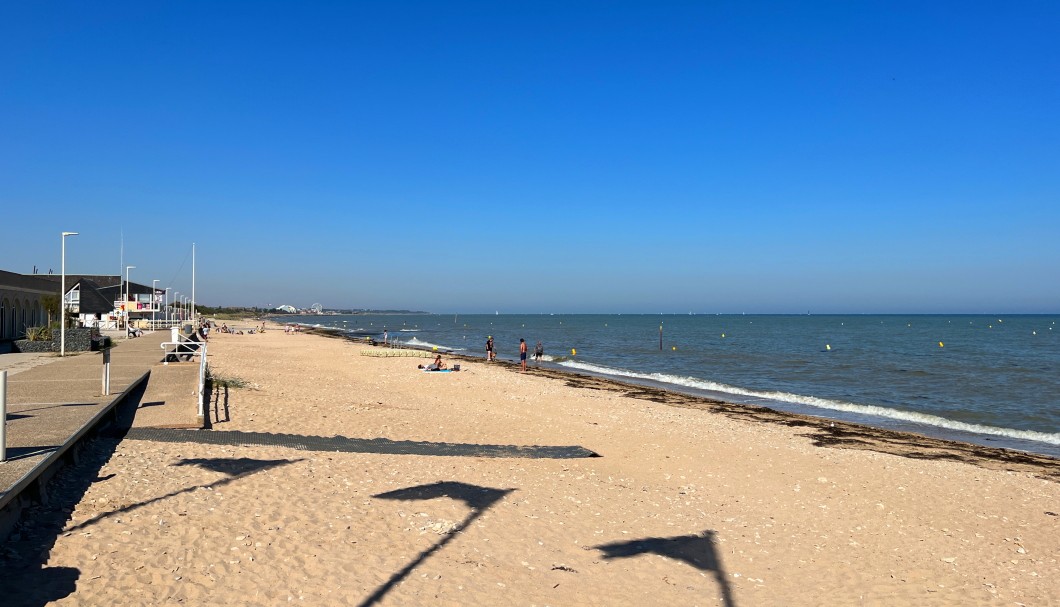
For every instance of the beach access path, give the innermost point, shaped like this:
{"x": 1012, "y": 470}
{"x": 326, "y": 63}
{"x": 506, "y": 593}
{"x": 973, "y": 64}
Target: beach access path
{"x": 54, "y": 402}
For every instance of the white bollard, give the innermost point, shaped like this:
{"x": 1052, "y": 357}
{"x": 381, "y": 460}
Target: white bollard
{"x": 3, "y": 416}
{"x": 106, "y": 372}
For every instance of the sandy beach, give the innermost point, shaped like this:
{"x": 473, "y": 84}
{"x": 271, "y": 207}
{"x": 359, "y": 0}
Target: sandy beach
{"x": 492, "y": 487}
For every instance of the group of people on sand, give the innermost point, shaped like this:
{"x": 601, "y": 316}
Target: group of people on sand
{"x": 539, "y": 352}
{"x": 491, "y": 355}
{"x": 233, "y": 331}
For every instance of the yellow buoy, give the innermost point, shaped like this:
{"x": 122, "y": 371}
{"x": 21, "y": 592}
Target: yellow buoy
{"x": 828, "y": 346}
{"x": 573, "y": 352}
{"x": 723, "y": 335}
{"x": 675, "y": 348}
{"x": 941, "y": 345}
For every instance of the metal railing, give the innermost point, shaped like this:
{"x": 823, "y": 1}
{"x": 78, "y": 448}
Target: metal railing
{"x": 159, "y": 324}
{"x": 183, "y": 347}
{"x": 202, "y": 383}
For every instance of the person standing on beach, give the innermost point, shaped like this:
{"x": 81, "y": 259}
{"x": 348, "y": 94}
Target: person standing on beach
{"x": 539, "y": 351}
{"x": 489, "y": 349}
{"x": 384, "y": 337}
{"x": 522, "y": 354}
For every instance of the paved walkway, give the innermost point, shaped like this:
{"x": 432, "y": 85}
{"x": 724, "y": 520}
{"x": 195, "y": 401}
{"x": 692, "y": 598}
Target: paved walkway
{"x": 53, "y": 402}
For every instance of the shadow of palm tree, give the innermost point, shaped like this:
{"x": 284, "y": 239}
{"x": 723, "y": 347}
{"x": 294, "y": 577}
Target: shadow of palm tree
{"x": 479, "y": 499}
{"x": 476, "y": 497}
{"x": 236, "y": 468}
{"x": 696, "y": 550}
{"x": 241, "y": 466}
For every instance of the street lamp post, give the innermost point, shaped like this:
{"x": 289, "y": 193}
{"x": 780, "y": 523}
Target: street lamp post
{"x": 176, "y": 304}
{"x": 62, "y": 298}
{"x": 153, "y": 306}
{"x": 193, "y": 283}
{"x": 125, "y": 303}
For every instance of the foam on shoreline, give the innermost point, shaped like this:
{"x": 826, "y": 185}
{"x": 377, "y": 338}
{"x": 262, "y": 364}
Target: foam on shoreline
{"x": 914, "y": 423}
{"x": 821, "y": 403}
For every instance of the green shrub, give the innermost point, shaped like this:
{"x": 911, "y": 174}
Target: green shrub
{"x": 39, "y": 333}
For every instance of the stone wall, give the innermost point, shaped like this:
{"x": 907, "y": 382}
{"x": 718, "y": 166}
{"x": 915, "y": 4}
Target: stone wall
{"x": 77, "y": 340}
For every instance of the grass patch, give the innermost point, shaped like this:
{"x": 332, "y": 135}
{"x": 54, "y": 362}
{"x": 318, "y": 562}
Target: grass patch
{"x": 222, "y": 381}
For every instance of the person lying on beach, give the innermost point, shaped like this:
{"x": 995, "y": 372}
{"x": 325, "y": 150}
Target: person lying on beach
{"x": 437, "y": 365}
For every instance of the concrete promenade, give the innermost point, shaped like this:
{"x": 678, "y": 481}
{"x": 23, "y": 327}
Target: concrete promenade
{"x": 53, "y": 402}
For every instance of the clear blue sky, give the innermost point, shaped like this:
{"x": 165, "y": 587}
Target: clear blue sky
{"x": 542, "y": 156}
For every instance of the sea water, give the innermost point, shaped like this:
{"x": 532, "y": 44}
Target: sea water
{"x": 990, "y": 380}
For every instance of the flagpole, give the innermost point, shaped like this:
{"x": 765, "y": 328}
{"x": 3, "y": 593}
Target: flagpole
{"x": 193, "y": 282}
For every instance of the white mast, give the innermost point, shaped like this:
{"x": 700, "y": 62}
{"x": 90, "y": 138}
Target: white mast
{"x": 193, "y": 282}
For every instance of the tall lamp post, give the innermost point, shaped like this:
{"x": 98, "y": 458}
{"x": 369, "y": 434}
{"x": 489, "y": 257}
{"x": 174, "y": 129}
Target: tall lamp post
{"x": 193, "y": 283}
{"x": 125, "y": 303}
{"x": 62, "y": 298}
{"x": 154, "y": 293}
{"x": 175, "y": 304}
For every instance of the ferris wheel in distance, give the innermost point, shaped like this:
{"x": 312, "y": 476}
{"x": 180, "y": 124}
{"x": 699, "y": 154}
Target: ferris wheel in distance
{"x": 316, "y": 308}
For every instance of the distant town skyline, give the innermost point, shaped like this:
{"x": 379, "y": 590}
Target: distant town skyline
{"x": 615, "y": 158}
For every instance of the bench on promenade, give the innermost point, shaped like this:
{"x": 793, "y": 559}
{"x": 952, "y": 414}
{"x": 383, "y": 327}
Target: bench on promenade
{"x": 184, "y": 348}
{"x": 188, "y": 348}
